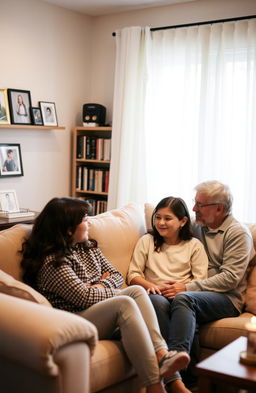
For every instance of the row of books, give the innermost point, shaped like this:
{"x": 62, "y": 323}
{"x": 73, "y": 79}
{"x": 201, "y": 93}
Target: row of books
{"x": 93, "y": 148}
{"x": 98, "y": 206}
{"x": 92, "y": 179}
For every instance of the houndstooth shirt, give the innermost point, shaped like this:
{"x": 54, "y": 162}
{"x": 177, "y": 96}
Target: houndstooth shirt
{"x": 64, "y": 286}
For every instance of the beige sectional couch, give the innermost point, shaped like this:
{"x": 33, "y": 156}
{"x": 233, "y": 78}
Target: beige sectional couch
{"x": 47, "y": 350}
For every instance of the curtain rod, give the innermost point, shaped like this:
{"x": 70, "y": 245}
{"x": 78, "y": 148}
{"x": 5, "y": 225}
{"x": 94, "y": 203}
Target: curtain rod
{"x": 209, "y": 22}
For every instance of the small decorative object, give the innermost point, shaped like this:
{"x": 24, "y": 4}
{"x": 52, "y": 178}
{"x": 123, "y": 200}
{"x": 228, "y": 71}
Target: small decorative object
{"x": 20, "y": 104}
{"x": 10, "y": 160}
{"x": 36, "y": 115}
{"x": 9, "y": 206}
{"x": 48, "y": 113}
{"x": 249, "y": 356}
{"x": 9, "y": 201}
{"x": 94, "y": 115}
{"x": 4, "y": 107}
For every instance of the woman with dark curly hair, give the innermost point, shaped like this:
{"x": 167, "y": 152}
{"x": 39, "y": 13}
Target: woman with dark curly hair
{"x": 61, "y": 262}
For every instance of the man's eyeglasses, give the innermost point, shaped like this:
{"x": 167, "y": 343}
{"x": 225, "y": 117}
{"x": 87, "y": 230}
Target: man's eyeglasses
{"x": 200, "y": 205}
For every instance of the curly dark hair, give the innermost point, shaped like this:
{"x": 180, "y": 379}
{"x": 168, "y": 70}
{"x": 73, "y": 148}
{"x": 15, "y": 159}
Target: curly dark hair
{"x": 52, "y": 233}
{"x": 180, "y": 210}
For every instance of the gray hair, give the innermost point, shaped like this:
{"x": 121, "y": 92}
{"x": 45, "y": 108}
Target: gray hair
{"x": 217, "y": 192}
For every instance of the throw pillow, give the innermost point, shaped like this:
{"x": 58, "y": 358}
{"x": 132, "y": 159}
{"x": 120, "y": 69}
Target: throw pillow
{"x": 10, "y": 246}
{"x": 12, "y": 287}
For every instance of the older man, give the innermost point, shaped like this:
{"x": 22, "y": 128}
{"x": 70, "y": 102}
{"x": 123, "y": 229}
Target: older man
{"x": 229, "y": 247}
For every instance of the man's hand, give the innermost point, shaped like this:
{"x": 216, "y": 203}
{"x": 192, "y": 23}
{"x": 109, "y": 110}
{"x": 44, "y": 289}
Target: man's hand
{"x": 172, "y": 288}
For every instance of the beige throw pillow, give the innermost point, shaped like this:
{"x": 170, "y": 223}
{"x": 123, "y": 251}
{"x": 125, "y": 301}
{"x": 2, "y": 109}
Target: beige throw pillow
{"x": 10, "y": 246}
{"x": 12, "y": 287}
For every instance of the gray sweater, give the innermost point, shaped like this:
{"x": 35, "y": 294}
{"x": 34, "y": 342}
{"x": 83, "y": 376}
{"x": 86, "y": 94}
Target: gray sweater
{"x": 229, "y": 249}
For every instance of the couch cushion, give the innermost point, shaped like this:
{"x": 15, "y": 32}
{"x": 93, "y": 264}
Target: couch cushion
{"x": 117, "y": 232}
{"x": 219, "y": 333}
{"x": 250, "y": 297}
{"x": 148, "y": 208}
{"x": 109, "y": 365}
{"x": 12, "y": 287}
{"x": 10, "y": 244}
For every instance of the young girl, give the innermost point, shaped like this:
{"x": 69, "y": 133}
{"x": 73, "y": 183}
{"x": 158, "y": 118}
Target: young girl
{"x": 169, "y": 253}
{"x": 167, "y": 258}
{"x": 62, "y": 263}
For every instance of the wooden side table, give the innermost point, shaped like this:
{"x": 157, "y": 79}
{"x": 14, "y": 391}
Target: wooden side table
{"x": 224, "y": 367}
{"x": 8, "y": 223}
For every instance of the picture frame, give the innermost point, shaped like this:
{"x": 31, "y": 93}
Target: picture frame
{"x": 4, "y": 107}
{"x": 19, "y": 106}
{"x": 36, "y": 116}
{"x": 48, "y": 113}
{"x": 9, "y": 201}
{"x": 10, "y": 160}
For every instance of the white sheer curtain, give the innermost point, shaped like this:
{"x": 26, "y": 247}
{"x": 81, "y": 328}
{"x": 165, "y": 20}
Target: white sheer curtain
{"x": 127, "y": 172}
{"x": 198, "y": 114}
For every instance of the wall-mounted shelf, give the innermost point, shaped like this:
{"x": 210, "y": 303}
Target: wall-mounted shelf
{"x": 31, "y": 127}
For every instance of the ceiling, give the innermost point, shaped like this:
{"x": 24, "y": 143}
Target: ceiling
{"x": 105, "y": 7}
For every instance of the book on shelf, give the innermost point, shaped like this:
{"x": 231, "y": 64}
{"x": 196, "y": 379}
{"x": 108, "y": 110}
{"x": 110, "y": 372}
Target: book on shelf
{"x": 92, "y": 179}
{"x": 80, "y": 147}
{"x": 85, "y": 178}
{"x": 98, "y": 206}
{"x": 99, "y": 148}
{"x": 93, "y": 148}
{"x": 79, "y": 177}
{"x": 107, "y": 150}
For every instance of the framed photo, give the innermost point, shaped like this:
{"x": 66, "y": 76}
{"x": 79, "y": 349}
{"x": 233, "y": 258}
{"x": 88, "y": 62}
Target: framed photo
{"x": 48, "y": 113}
{"x": 36, "y": 116}
{"x": 10, "y": 160}
{"x": 20, "y": 106}
{"x": 9, "y": 201}
{"x": 4, "y": 107}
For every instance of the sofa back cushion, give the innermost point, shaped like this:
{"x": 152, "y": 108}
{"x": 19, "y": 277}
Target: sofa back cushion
{"x": 10, "y": 271}
{"x": 10, "y": 244}
{"x": 117, "y": 231}
{"x": 250, "y": 297}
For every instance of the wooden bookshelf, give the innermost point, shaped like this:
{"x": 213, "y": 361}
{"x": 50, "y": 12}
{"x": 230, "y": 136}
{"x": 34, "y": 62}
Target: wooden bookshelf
{"x": 90, "y": 173}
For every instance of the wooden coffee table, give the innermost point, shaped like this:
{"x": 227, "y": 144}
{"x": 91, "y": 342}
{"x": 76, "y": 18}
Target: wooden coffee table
{"x": 224, "y": 367}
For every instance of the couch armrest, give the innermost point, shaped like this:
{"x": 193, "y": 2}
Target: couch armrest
{"x": 30, "y": 334}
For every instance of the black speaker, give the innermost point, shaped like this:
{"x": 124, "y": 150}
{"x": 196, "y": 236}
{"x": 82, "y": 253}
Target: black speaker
{"x": 94, "y": 113}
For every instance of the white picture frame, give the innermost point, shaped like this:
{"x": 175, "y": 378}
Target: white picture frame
{"x": 9, "y": 201}
{"x": 49, "y": 114}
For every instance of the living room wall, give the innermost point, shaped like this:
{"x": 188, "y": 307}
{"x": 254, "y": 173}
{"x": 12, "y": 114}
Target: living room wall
{"x": 46, "y": 50}
{"x": 69, "y": 58}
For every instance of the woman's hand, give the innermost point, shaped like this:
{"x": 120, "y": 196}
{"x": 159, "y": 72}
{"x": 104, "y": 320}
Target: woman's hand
{"x": 105, "y": 275}
{"x": 102, "y": 277}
